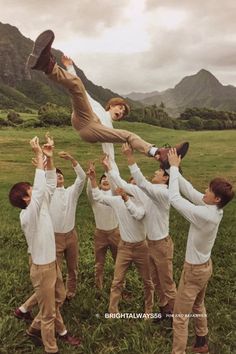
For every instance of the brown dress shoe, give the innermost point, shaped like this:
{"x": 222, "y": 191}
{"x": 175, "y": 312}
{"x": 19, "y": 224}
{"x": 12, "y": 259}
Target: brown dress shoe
{"x": 41, "y": 57}
{"x": 181, "y": 150}
{"x": 200, "y": 345}
{"x": 25, "y": 316}
{"x": 203, "y": 349}
{"x": 69, "y": 339}
{"x": 35, "y": 335}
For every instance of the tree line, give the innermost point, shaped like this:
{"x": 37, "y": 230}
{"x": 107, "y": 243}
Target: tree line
{"x": 191, "y": 119}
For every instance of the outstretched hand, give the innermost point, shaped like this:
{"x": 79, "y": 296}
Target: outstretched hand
{"x": 66, "y": 61}
{"x": 173, "y": 158}
{"x": 91, "y": 174}
{"x": 106, "y": 163}
{"x": 48, "y": 147}
{"x": 34, "y": 143}
{"x": 127, "y": 149}
{"x": 65, "y": 155}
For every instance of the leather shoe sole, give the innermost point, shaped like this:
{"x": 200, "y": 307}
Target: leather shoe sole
{"x": 181, "y": 150}
{"x": 43, "y": 41}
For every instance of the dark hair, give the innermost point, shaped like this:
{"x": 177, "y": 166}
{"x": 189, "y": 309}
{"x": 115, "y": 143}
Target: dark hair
{"x": 102, "y": 176}
{"x": 59, "y": 171}
{"x": 17, "y": 193}
{"x": 223, "y": 190}
{"x": 165, "y": 174}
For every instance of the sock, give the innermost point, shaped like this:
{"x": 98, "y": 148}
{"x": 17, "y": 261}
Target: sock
{"x": 152, "y": 151}
{"x": 23, "y": 309}
{"x": 63, "y": 333}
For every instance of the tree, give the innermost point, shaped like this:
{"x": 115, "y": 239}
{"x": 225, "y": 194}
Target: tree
{"x": 196, "y": 123}
{"x": 51, "y": 114}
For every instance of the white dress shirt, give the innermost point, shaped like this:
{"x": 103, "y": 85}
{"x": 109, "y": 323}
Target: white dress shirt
{"x": 64, "y": 202}
{"x": 204, "y": 219}
{"x": 159, "y": 209}
{"x": 104, "y": 117}
{"x": 35, "y": 220}
{"x": 128, "y": 214}
{"x": 104, "y": 215}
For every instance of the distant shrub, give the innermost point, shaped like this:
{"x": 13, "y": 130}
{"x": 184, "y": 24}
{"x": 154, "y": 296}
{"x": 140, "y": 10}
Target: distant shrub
{"x": 30, "y": 123}
{"x": 5, "y": 123}
{"x": 51, "y": 114}
{"x": 14, "y": 117}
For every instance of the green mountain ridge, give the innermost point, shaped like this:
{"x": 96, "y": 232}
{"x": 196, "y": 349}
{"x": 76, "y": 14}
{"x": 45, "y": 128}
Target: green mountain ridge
{"x": 199, "y": 90}
{"x": 17, "y": 91}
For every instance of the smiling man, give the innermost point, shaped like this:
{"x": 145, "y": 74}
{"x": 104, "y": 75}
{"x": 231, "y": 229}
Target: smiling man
{"x": 84, "y": 120}
{"x": 204, "y": 212}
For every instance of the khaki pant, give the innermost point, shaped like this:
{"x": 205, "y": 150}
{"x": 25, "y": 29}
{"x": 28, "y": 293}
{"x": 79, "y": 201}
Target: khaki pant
{"x": 161, "y": 265}
{"x": 138, "y": 254}
{"x": 67, "y": 246}
{"x": 190, "y": 299}
{"x": 32, "y": 300}
{"x": 84, "y": 119}
{"x": 104, "y": 240}
{"x": 50, "y": 292}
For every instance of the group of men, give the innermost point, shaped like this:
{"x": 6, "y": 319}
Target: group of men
{"x": 137, "y": 229}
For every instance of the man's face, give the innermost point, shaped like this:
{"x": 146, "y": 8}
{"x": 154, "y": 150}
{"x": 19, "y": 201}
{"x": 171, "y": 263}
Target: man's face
{"x": 117, "y": 112}
{"x": 159, "y": 177}
{"x": 210, "y": 198}
{"x": 27, "y": 198}
{"x": 60, "y": 180}
{"x": 104, "y": 184}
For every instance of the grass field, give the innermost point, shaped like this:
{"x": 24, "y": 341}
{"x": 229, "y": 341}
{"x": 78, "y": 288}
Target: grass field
{"x": 211, "y": 154}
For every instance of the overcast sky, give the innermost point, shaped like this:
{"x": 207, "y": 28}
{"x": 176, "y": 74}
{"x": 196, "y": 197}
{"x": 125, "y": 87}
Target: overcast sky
{"x": 135, "y": 45}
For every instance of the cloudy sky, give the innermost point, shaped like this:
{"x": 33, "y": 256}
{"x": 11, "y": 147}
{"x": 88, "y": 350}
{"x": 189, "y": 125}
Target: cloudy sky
{"x": 135, "y": 45}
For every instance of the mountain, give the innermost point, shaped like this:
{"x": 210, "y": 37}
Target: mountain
{"x": 199, "y": 90}
{"x": 139, "y": 96}
{"x": 17, "y": 91}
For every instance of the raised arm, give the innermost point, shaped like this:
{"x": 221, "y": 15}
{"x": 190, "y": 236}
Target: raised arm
{"x": 137, "y": 212}
{"x": 114, "y": 176}
{"x": 77, "y": 187}
{"x": 51, "y": 177}
{"x": 39, "y": 184}
{"x": 97, "y": 194}
{"x": 197, "y": 215}
{"x": 189, "y": 191}
{"x": 155, "y": 193}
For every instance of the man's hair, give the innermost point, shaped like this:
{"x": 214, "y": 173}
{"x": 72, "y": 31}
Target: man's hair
{"x": 223, "y": 190}
{"x": 102, "y": 176}
{"x": 165, "y": 173}
{"x": 59, "y": 171}
{"x": 118, "y": 101}
{"x": 17, "y": 193}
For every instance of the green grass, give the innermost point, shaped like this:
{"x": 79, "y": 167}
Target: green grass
{"x": 211, "y": 154}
